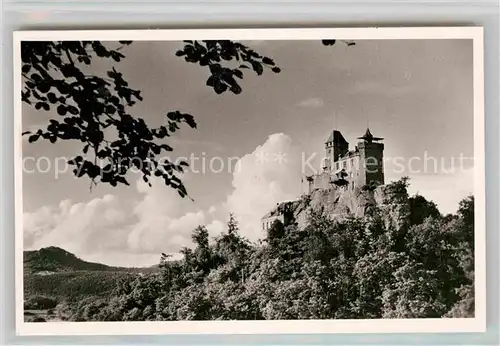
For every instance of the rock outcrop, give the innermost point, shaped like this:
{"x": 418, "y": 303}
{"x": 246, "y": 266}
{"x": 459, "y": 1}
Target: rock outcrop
{"x": 390, "y": 200}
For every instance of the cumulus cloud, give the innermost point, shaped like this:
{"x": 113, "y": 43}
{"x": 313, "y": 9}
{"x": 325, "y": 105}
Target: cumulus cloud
{"x": 77, "y": 227}
{"x": 267, "y": 176}
{"x": 312, "y": 102}
{"x": 215, "y": 228}
{"x": 164, "y": 221}
{"x": 108, "y": 228}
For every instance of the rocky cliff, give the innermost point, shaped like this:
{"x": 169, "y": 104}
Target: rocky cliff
{"x": 390, "y": 200}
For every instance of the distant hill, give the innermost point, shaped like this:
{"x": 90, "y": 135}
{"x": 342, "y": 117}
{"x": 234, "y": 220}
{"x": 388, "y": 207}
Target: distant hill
{"x": 57, "y": 274}
{"x": 54, "y": 259}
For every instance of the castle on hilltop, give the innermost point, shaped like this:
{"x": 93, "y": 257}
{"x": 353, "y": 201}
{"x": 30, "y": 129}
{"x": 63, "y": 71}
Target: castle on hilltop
{"x": 342, "y": 169}
{"x": 350, "y": 168}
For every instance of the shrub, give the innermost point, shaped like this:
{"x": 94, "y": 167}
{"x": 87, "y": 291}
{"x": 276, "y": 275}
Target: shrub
{"x": 39, "y": 303}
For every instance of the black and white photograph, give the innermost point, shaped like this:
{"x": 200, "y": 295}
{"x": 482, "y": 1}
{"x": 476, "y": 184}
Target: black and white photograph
{"x": 302, "y": 176}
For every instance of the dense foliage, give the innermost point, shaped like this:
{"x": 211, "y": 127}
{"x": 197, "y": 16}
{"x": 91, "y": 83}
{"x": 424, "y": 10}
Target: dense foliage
{"x": 402, "y": 260}
{"x": 38, "y": 302}
{"x": 74, "y": 286}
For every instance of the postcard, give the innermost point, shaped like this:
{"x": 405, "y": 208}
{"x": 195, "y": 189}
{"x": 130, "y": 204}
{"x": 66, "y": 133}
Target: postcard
{"x": 253, "y": 181}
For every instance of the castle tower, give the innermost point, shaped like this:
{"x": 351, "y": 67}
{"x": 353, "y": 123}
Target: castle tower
{"x": 335, "y": 146}
{"x": 371, "y": 160}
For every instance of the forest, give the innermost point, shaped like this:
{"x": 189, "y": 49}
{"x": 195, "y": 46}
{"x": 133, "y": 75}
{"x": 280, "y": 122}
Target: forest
{"x": 420, "y": 266}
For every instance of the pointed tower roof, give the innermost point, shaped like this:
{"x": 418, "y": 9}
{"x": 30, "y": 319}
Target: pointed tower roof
{"x": 336, "y": 137}
{"x": 368, "y": 137}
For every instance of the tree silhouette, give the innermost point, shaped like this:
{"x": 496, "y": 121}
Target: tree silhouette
{"x": 96, "y": 110}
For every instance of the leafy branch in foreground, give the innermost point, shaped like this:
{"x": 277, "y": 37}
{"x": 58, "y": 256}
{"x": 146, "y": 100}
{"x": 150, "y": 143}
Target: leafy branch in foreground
{"x": 213, "y": 53}
{"x": 94, "y": 110}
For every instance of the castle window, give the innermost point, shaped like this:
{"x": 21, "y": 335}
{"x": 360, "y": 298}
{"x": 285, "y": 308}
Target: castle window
{"x": 352, "y": 185}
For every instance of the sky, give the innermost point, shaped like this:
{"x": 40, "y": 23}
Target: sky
{"x": 252, "y": 150}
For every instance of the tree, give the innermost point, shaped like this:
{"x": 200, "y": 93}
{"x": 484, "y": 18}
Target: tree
{"x": 96, "y": 110}
{"x": 91, "y": 106}
{"x": 421, "y": 209}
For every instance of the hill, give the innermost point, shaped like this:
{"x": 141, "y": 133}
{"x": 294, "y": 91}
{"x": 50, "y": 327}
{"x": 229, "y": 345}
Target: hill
{"x": 53, "y": 275}
{"x": 54, "y": 259}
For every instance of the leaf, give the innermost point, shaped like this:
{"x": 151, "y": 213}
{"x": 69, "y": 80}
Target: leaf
{"x": 33, "y": 138}
{"x": 122, "y": 180}
{"x": 215, "y": 68}
{"x": 61, "y": 110}
{"x": 156, "y": 150}
{"x": 190, "y": 120}
{"x": 211, "y": 81}
{"x": 220, "y": 87}
{"x": 328, "y": 42}
{"x": 238, "y": 73}
{"x": 276, "y": 69}
{"x": 116, "y": 56}
{"x": 73, "y": 110}
{"x": 110, "y": 109}
{"x": 36, "y": 77}
{"x": 44, "y": 86}
{"x": 236, "y": 89}
{"x": 267, "y": 61}
{"x": 52, "y": 97}
{"x": 257, "y": 67}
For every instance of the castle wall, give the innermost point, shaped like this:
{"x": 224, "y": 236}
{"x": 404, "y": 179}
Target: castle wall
{"x": 351, "y": 165}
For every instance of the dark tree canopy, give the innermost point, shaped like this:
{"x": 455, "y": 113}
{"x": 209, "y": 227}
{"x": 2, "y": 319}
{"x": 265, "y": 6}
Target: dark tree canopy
{"x": 96, "y": 110}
